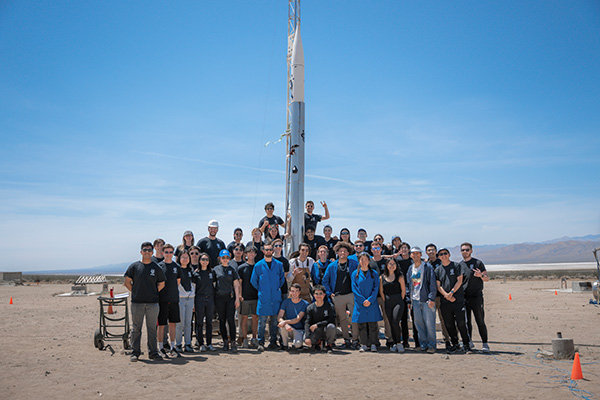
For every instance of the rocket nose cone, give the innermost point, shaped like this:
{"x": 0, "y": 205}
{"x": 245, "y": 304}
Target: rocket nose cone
{"x": 297, "y": 49}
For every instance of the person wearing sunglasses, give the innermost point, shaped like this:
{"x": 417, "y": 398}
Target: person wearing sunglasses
{"x": 169, "y": 303}
{"x": 249, "y": 299}
{"x": 144, "y": 279}
{"x": 204, "y": 301}
{"x": 238, "y": 235}
{"x": 450, "y": 276}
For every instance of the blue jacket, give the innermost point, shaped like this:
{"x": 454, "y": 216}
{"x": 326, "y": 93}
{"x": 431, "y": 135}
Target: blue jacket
{"x": 428, "y": 289}
{"x": 365, "y": 287}
{"x": 331, "y": 275}
{"x": 268, "y": 282}
{"x": 314, "y": 272}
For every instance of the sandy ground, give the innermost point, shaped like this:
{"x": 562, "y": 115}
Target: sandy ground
{"x": 48, "y": 352}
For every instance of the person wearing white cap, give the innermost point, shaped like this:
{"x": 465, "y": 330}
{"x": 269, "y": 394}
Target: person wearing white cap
{"x": 422, "y": 288}
{"x": 210, "y": 244}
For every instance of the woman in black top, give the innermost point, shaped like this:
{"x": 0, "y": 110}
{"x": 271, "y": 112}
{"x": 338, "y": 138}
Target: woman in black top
{"x": 204, "y": 300}
{"x": 227, "y": 298}
{"x": 393, "y": 291}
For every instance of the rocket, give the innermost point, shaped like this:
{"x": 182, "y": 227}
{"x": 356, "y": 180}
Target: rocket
{"x": 297, "y": 142}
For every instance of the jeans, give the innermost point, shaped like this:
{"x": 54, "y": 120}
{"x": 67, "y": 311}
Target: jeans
{"x": 296, "y": 334}
{"x": 138, "y": 312}
{"x": 186, "y": 308}
{"x": 262, "y": 322}
{"x": 425, "y": 322}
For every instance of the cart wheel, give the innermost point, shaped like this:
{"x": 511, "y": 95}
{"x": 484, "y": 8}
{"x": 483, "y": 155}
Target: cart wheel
{"x": 98, "y": 342}
{"x": 126, "y": 344}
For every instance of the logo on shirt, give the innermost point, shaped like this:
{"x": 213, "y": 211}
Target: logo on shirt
{"x": 228, "y": 272}
{"x": 218, "y": 245}
{"x": 152, "y": 273}
{"x": 325, "y": 313}
{"x": 174, "y": 270}
{"x": 210, "y": 276}
{"x": 452, "y": 271}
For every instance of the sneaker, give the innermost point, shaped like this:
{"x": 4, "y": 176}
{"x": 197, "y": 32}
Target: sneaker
{"x": 203, "y": 349}
{"x": 468, "y": 350}
{"x": 246, "y": 344}
{"x": 448, "y": 345}
{"x": 362, "y": 349}
{"x": 156, "y": 357}
{"x": 453, "y": 349}
{"x": 485, "y": 348}
{"x": 374, "y": 348}
{"x": 283, "y": 348}
{"x": 254, "y": 342}
{"x": 188, "y": 349}
{"x": 317, "y": 348}
{"x": 418, "y": 348}
{"x": 134, "y": 358}
{"x": 431, "y": 350}
{"x": 355, "y": 345}
{"x": 164, "y": 353}
{"x": 174, "y": 353}
{"x": 260, "y": 348}
{"x": 210, "y": 347}
{"x": 234, "y": 347}
{"x": 347, "y": 345}
{"x": 471, "y": 345}
{"x": 179, "y": 348}
{"x": 394, "y": 349}
{"x": 272, "y": 346}
{"x": 329, "y": 349}
{"x": 400, "y": 348}
{"x": 225, "y": 345}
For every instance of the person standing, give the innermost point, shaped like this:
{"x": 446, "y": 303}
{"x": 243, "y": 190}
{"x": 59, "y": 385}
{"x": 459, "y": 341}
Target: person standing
{"x": 365, "y": 286}
{"x": 311, "y": 219}
{"x": 431, "y": 250}
{"x": 313, "y": 241}
{"x": 320, "y": 322}
{"x": 158, "y": 250}
{"x": 278, "y": 255}
{"x": 449, "y": 276}
{"x": 338, "y": 285}
{"x": 211, "y": 244}
{"x": 475, "y": 275}
{"x": 169, "y": 301}
{"x": 270, "y": 219}
{"x": 187, "y": 292}
{"x": 204, "y": 302}
{"x": 300, "y": 269}
{"x": 238, "y": 234}
{"x": 291, "y": 318}
{"x": 404, "y": 262}
{"x": 186, "y": 242}
{"x": 320, "y": 266}
{"x": 393, "y": 291}
{"x": 330, "y": 241}
{"x": 144, "y": 279}
{"x": 227, "y": 298}
{"x": 249, "y": 298}
{"x": 257, "y": 242}
{"x": 267, "y": 278}
{"x": 377, "y": 263}
{"x": 422, "y": 289}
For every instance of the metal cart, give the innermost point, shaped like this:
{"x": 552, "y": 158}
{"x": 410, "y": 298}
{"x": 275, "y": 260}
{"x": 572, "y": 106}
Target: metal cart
{"x": 114, "y": 315}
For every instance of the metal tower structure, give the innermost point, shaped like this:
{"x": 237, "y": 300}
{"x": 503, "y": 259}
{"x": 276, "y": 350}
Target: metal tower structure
{"x": 292, "y": 242}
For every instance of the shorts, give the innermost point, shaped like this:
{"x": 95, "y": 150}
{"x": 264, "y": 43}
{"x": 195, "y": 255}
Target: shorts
{"x": 249, "y": 307}
{"x": 168, "y": 311}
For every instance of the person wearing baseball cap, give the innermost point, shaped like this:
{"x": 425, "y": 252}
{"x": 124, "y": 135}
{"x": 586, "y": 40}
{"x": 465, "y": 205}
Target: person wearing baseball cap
{"x": 210, "y": 244}
{"x": 227, "y": 298}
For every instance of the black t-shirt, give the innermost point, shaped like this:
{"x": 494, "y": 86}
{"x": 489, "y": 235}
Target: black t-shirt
{"x": 403, "y": 264}
{"x": 205, "y": 282}
{"x": 473, "y": 285}
{"x": 435, "y": 264}
{"x": 158, "y": 260}
{"x": 145, "y": 278}
{"x": 311, "y": 220}
{"x": 274, "y": 220}
{"x": 170, "y": 293}
{"x": 236, "y": 264}
{"x": 179, "y": 249}
{"x": 186, "y": 278}
{"x": 447, "y": 276}
{"x": 249, "y": 292}
{"x": 212, "y": 247}
{"x": 330, "y": 245}
{"x": 322, "y": 316}
{"x": 224, "y": 277}
{"x": 368, "y": 244}
{"x": 286, "y": 269}
{"x": 378, "y": 266}
{"x": 314, "y": 244}
{"x": 343, "y": 282}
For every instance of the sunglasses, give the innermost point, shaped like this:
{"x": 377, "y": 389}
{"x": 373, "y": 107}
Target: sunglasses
{"x": 443, "y": 254}
{"x": 204, "y": 259}
{"x": 278, "y": 245}
{"x": 147, "y": 250}
{"x": 168, "y": 252}
{"x": 195, "y": 253}
{"x": 463, "y": 250}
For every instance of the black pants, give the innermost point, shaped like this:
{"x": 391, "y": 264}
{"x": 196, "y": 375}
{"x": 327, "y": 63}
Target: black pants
{"x": 455, "y": 315}
{"x": 226, "y": 310}
{"x": 474, "y": 305}
{"x": 205, "y": 308}
{"x": 368, "y": 333}
{"x": 394, "y": 309}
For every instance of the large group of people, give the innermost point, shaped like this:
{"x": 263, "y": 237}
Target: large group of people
{"x": 329, "y": 287}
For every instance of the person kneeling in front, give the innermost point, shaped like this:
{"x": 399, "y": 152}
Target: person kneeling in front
{"x": 320, "y": 322}
{"x": 294, "y": 309}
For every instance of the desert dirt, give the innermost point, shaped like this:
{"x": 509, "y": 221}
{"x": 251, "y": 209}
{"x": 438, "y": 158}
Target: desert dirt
{"x": 48, "y": 353}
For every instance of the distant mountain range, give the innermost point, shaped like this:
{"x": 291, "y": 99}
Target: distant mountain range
{"x": 565, "y": 249}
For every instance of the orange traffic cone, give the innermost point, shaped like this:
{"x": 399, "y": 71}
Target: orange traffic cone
{"x": 110, "y": 310}
{"x": 556, "y": 292}
{"x": 10, "y": 302}
{"x": 576, "y": 372}
{"x": 509, "y": 297}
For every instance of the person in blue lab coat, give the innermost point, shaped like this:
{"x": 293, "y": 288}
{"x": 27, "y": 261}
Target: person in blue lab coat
{"x": 267, "y": 278}
{"x": 365, "y": 285}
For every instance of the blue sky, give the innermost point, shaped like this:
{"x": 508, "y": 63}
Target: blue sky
{"x": 442, "y": 122}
